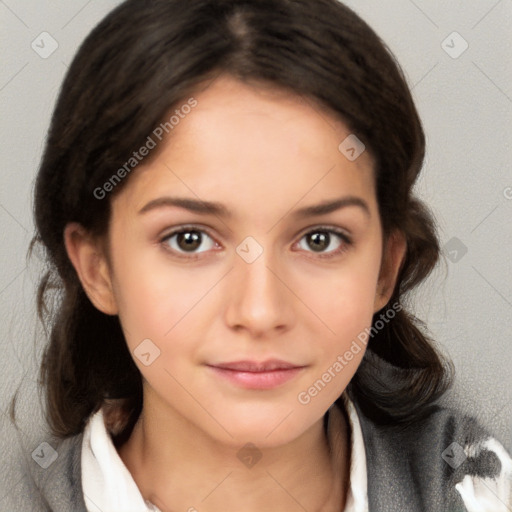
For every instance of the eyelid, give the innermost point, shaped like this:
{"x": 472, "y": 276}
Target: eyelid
{"x": 326, "y": 227}
{"x": 314, "y": 227}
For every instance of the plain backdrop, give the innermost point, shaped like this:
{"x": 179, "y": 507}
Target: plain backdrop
{"x": 456, "y": 57}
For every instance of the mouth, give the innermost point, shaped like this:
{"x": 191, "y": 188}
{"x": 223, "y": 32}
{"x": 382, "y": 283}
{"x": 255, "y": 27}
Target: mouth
{"x": 257, "y": 375}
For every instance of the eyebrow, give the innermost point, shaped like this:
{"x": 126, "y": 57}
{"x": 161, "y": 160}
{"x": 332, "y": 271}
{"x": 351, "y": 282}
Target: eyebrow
{"x": 218, "y": 209}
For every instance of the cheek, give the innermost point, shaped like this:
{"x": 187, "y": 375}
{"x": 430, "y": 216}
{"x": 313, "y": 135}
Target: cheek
{"x": 166, "y": 304}
{"x": 151, "y": 298}
{"x": 345, "y": 298}
{"x": 349, "y": 317}
{"x": 348, "y": 313}
{"x": 345, "y": 304}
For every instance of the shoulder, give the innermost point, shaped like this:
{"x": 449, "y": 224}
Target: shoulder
{"x": 474, "y": 462}
{"x": 446, "y": 461}
{"x": 44, "y": 472}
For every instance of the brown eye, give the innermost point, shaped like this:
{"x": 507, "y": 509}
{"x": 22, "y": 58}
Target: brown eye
{"x": 188, "y": 241}
{"x": 326, "y": 242}
{"x": 319, "y": 241}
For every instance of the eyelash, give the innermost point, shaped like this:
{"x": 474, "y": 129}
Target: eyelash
{"x": 346, "y": 241}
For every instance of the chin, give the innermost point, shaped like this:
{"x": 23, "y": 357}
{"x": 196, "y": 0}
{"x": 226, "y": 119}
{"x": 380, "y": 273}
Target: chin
{"x": 264, "y": 430}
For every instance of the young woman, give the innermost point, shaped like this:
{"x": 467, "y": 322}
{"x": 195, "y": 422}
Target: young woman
{"x": 226, "y": 202}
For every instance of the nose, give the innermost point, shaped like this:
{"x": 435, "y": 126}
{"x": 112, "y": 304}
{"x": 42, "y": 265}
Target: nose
{"x": 260, "y": 299}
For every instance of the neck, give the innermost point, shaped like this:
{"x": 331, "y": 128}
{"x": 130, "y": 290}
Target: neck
{"x": 180, "y": 467}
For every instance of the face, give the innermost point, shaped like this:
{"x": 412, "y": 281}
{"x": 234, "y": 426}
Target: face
{"x": 240, "y": 317}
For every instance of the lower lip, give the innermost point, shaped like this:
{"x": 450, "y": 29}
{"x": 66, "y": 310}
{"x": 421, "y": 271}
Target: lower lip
{"x": 257, "y": 380}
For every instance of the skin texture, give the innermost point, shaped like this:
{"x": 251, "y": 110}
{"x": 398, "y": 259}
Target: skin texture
{"x": 263, "y": 153}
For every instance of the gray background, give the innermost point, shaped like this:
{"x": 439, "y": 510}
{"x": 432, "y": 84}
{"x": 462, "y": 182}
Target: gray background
{"x": 465, "y": 101}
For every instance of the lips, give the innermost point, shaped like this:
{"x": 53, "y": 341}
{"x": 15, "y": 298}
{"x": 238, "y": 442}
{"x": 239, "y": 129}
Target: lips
{"x": 254, "y": 367}
{"x": 255, "y": 375}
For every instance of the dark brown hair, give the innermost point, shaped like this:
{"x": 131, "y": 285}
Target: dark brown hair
{"x": 143, "y": 59}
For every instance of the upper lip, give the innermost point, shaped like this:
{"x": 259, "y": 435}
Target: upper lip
{"x": 255, "y": 366}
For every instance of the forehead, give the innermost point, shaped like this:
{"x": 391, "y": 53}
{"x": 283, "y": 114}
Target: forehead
{"x": 244, "y": 144}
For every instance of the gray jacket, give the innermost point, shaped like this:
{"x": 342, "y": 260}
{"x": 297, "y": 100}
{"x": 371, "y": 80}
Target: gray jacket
{"x": 409, "y": 469}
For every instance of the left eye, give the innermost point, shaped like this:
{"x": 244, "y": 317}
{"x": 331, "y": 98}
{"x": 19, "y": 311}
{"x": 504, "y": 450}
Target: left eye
{"x": 320, "y": 240}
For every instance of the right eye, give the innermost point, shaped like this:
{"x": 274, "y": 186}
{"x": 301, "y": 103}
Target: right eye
{"x": 186, "y": 240}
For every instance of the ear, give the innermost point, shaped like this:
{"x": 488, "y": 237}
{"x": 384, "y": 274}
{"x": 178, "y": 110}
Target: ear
{"x": 393, "y": 256}
{"x": 88, "y": 257}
